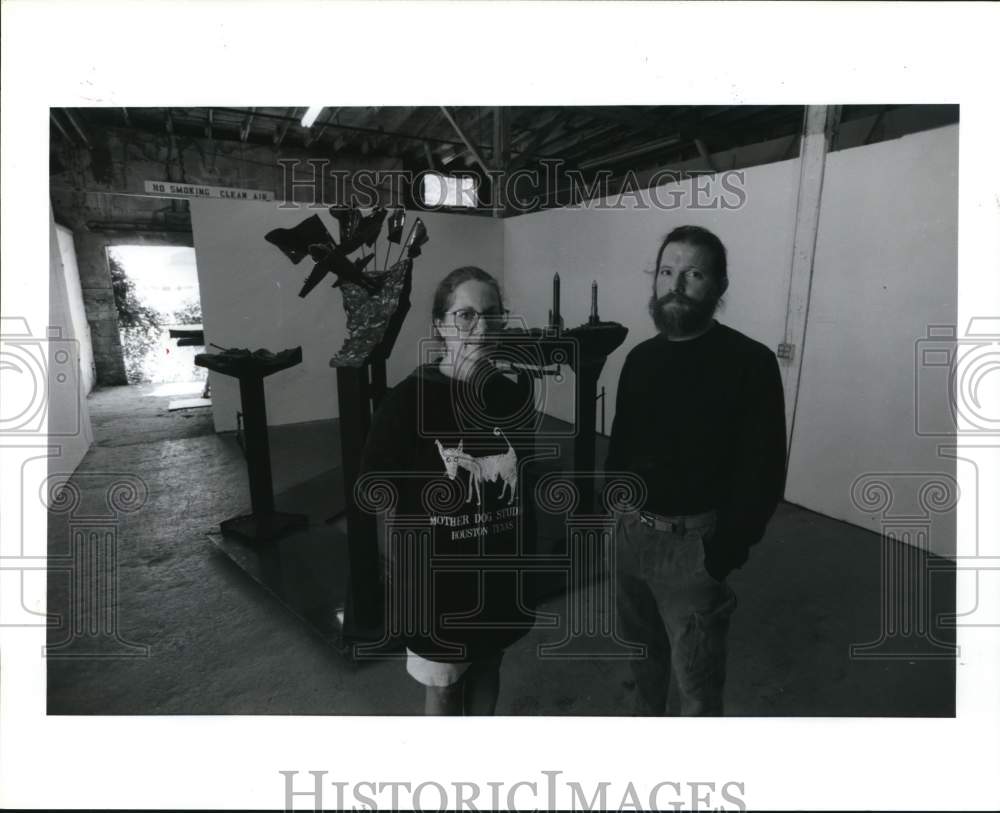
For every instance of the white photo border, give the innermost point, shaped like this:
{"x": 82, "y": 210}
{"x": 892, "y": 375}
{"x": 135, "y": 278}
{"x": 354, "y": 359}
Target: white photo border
{"x": 410, "y": 53}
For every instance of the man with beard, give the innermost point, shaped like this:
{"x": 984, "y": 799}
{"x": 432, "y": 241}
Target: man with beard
{"x": 700, "y": 418}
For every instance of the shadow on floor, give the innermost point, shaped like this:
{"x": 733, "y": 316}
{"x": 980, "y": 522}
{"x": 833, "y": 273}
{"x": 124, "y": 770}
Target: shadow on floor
{"x": 219, "y": 644}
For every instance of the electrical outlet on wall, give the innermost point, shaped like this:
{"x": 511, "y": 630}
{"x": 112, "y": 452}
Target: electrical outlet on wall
{"x": 786, "y": 351}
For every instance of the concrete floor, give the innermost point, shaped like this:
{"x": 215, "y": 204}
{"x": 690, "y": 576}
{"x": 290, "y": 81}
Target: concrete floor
{"x": 219, "y": 644}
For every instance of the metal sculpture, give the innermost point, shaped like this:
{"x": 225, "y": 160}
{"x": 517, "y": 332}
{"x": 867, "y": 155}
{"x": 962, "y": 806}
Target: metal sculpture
{"x": 376, "y": 303}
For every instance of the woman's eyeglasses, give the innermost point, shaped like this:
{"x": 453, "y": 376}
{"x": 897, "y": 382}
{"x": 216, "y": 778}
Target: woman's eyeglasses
{"x": 466, "y": 319}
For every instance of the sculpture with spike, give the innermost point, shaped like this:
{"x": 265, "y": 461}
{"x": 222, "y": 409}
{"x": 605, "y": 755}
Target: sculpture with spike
{"x": 375, "y": 300}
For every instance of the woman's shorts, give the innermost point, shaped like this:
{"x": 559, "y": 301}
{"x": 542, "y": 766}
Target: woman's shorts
{"x": 444, "y": 673}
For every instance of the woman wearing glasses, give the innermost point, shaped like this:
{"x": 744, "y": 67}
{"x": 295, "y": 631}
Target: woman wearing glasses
{"x": 453, "y": 439}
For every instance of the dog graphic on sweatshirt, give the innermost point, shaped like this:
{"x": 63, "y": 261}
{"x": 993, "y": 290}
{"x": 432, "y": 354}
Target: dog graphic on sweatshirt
{"x": 491, "y": 468}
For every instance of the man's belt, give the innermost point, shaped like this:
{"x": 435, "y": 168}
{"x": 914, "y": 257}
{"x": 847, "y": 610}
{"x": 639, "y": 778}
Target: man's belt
{"x": 676, "y": 524}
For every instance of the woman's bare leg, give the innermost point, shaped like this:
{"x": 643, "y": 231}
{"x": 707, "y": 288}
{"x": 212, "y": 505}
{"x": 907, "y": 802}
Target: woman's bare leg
{"x": 443, "y": 700}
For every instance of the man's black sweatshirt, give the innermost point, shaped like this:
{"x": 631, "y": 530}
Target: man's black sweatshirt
{"x": 702, "y": 421}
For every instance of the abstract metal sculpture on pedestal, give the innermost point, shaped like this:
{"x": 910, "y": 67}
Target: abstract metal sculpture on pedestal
{"x": 263, "y": 523}
{"x": 585, "y": 349}
{"x": 376, "y": 303}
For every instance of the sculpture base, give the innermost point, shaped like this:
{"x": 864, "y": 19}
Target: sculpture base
{"x": 307, "y": 573}
{"x": 264, "y": 527}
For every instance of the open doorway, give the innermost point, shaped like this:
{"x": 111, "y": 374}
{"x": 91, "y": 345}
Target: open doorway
{"x": 159, "y": 317}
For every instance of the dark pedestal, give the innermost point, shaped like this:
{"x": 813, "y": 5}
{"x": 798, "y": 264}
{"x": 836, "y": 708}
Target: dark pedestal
{"x": 585, "y": 349}
{"x": 304, "y": 573}
{"x": 587, "y": 375}
{"x": 263, "y": 524}
{"x": 363, "y": 607}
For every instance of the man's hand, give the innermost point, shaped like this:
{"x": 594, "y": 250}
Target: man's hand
{"x": 713, "y": 568}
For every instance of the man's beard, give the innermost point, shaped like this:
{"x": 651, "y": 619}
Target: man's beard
{"x": 691, "y": 317}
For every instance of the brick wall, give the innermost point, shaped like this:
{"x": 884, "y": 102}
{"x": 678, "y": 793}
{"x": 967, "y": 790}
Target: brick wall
{"x": 99, "y": 194}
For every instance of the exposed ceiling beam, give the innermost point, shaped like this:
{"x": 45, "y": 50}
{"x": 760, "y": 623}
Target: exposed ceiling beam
{"x": 282, "y": 129}
{"x": 351, "y": 128}
{"x": 875, "y": 123}
{"x": 706, "y": 156}
{"x": 634, "y": 152}
{"x": 456, "y": 151}
{"x": 634, "y": 117}
{"x": 465, "y": 139}
{"x": 587, "y": 139}
{"x": 245, "y": 127}
{"x": 434, "y": 115}
{"x": 59, "y": 127}
{"x": 392, "y": 119}
{"x": 78, "y": 128}
{"x": 573, "y": 131}
{"x": 169, "y": 121}
{"x": 606, "y": 142}
{"x": 312, "y": 137}
{"x": 531, "y": 131}
{"x": 501, "y": 137}
{"x": 429, "y": 156}
{"x": 833, "y": 126}
{"x": 554, "y": 126}
{"x": 451, "y": 154}
{"x": 501, "y": 156}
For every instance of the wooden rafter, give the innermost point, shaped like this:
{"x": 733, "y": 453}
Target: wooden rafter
{"x": 245, "y": 127}
{"x": 600, "y": 135}
{"x": 706, "y": 156}
{"x": 553, "y": 127}
{"x": 282, "y": 129}
{"x": 429, "y": 156}
{"x": 59, "y": 127}
{"x": 76, "y": 126}
{"x": 635, "y": 117}
{"x": 465, "y": 139}
{"x": 311, "y": 137}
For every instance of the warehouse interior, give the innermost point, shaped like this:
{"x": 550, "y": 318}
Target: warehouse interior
{"x": 842, "y": 241}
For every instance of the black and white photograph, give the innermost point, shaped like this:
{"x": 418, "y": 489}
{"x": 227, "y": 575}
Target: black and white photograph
{"x": 517, "y": 410}
{"x": 582, "y": 415}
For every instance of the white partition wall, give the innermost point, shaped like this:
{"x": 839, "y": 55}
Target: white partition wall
{"x": 68, "y": 360}
{"x": 249, "y": 298}
{"x": 617, "y": 248}
{"x": 77, "y": 313}
{"x": 885, "y": 270}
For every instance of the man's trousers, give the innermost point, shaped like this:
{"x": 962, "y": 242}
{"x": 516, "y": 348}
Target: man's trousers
{"x": 669, "y": 603}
